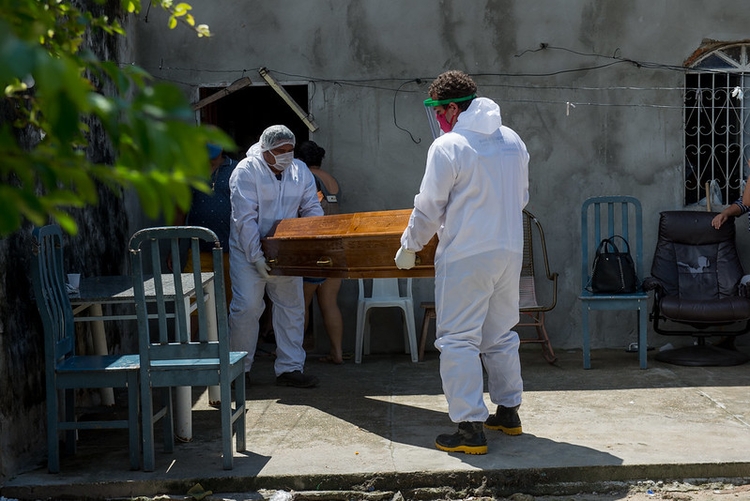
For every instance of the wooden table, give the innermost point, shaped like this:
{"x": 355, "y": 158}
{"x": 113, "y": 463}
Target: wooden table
{"x": 96, "y": 291}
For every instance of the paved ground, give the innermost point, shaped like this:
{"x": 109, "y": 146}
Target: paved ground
{"x": 638, "y": 491}
{"x": 368, "y": 431}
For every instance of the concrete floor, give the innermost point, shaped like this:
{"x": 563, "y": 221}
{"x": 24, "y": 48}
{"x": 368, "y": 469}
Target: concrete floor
{"x": 372, "y": 427}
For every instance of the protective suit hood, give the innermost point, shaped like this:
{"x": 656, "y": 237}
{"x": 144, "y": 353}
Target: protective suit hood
{"x": 254, "y": 151}
{"x": 479, "y": 168}
{"x": 482, "y": 116}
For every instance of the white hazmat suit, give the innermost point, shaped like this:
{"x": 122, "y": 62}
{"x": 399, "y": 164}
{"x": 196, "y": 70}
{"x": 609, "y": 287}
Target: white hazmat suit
{"x": 472, "y": 195}
{"x": 259, "y": 199}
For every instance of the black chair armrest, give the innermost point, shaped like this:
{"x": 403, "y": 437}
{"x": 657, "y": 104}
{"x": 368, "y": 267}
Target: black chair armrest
{"x": 652, "y": 284}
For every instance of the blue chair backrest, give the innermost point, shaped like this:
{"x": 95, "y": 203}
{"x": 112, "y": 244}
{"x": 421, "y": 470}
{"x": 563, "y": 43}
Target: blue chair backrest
{"x": 604, "y": 217}
{"x": 48, "y": 278}
{"x": 173, "y": 340}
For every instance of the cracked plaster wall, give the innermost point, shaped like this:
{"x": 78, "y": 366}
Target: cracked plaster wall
{"x": 623, "y": 137}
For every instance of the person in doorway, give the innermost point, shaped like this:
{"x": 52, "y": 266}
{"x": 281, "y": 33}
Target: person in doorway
{"x": 213, "y": 211}
{"x": 266, "y": 186}
{"x": 474, "y": 189}
{"x": 326, "y": 289}
{"x": 329, "y": 191}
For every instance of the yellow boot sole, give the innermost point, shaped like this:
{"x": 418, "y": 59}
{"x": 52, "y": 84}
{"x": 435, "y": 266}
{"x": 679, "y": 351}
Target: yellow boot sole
{"x": 466, "y": 449}
{"x": 517, "y": 430}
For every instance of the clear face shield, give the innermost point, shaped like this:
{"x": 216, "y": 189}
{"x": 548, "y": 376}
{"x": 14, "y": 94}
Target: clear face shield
{"x": 432, "y": 120}
{"x": 429, "y": 107}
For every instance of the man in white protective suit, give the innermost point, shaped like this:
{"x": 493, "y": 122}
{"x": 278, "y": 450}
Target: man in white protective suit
{"x": 266, "y": 186}
{"x": 474, "y": 189}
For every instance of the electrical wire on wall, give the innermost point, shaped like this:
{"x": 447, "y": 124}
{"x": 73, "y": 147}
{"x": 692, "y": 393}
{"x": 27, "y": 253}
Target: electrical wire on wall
{"x": 396, "y": 85}
{"x": 418, "y": 81}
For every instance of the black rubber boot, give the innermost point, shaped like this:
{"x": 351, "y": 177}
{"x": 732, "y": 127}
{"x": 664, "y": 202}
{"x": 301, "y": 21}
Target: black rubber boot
{"x": 469, "y": 439}
{"x": 297, "y": 379}
{"x": 506, "y": 420}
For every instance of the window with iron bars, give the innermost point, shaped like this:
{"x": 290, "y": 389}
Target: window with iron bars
{"x": 717, "y": 128}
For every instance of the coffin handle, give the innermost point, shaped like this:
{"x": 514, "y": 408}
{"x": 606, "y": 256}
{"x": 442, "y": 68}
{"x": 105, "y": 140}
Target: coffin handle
{"x": 324, "y": 261}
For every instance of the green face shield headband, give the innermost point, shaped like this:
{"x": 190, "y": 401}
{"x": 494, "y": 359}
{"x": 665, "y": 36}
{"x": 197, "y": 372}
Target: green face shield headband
{"x": 443, "y": 102}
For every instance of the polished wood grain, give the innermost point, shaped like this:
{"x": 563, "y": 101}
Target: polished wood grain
{"x": 357, "y": 245}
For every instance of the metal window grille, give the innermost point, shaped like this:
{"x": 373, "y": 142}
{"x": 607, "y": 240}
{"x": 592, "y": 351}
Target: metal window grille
{"x": 717, "y": 126}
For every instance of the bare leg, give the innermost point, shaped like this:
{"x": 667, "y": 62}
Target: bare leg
{"x": 328, "y": 302}
{"x": 309, "y": 291}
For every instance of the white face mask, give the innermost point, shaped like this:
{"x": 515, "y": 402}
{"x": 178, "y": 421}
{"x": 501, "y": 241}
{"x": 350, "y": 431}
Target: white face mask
{"x": 283, "y": 160}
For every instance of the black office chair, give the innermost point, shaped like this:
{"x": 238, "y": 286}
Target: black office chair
{"x": 695, "y": 277}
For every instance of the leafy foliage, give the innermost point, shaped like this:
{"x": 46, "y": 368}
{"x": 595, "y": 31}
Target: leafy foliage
{"x": 55, "y": 89}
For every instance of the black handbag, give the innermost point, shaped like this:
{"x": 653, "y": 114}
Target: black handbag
{"x": 613, "y": 272}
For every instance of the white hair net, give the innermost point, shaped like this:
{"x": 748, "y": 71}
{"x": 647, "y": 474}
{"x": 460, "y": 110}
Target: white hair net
{"x": 275, "y": 136}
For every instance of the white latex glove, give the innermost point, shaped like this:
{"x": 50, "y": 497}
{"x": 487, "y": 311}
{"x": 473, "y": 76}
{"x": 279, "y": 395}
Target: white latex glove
{"x": 262, "y": 268}
{"x": 405, "y": 259}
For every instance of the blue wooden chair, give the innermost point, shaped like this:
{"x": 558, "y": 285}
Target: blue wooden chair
{"x": 65, "y": 371}
{"x": 604, "y": 217}
{"x": 172, "y": 355}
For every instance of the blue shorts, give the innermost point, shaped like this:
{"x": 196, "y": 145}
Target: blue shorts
{"x": 311, "y": 280}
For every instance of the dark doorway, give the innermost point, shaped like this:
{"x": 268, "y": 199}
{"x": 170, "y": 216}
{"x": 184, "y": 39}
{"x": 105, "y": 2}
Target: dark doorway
{"x": 245, "y": 113}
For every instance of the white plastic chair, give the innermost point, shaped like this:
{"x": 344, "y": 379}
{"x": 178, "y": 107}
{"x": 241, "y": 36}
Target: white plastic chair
{"x": 385, "y": 294}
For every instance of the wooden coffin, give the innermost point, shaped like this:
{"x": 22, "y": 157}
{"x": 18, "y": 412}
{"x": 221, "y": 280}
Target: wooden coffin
{"x": 358, "y": 245}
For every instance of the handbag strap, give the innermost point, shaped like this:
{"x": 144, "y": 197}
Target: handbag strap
{"x": 603, "y": 249}
{"x": 627, "y": 245}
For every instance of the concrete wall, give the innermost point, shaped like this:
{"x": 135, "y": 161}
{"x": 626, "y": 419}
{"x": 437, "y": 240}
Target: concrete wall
{"x": 369, "y": 64}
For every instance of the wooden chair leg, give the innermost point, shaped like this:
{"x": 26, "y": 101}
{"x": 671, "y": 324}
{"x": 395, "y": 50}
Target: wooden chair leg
{"x": 536, "y": 320}
{"x": 547, "y": 351}
{"x": 429, "y": 313}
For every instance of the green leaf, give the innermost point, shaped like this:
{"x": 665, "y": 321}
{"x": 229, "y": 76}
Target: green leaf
{"x": 156, "y": 147}
{"x": 66, "y": 222}
{"x": 181, "y": 9}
